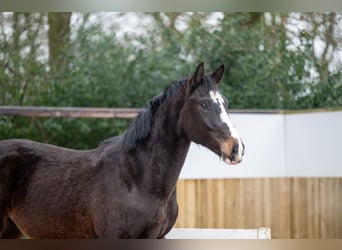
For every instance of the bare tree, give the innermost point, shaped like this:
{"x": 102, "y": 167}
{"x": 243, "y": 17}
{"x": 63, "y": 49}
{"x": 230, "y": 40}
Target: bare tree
{"x": 59, "y": 32}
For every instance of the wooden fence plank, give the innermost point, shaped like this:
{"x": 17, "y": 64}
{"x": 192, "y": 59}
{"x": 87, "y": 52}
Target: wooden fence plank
{"x": 69, "y": 112}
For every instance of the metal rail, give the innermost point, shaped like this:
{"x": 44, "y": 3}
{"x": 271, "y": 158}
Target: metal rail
{"x": 125, "y": 113}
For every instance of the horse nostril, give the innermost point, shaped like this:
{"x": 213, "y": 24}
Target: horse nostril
{"x": 235, "y": 149}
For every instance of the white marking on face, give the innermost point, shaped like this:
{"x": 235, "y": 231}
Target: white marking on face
{"x": 217, "y": 98}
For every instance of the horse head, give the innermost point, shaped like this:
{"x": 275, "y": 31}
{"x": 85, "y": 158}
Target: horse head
{"x": 205, "y": 118}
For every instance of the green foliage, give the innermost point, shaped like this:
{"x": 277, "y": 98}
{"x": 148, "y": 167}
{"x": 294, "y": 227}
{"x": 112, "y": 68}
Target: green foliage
{"x": 262, "y": 72}
{"x": 101, "y": 70}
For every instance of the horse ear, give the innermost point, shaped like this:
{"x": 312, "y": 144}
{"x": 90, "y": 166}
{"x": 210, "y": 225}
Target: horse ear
{"x": 195, "y": 79}
{"x": 199, "y": 73}
{"x": 218, "y": 74}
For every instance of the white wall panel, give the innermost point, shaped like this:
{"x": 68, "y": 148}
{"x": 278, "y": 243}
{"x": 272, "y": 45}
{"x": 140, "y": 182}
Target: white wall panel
{"x": 314, "y": 144}
{"x": 277, "y": 145}
{"x": 263, "y": 137}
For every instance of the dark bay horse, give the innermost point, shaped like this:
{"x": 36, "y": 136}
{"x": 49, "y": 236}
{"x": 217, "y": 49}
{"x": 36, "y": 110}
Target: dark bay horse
{"x": 125, "y": 188}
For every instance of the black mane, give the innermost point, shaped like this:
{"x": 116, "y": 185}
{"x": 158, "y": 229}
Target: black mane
{"x": 141, "y": 127}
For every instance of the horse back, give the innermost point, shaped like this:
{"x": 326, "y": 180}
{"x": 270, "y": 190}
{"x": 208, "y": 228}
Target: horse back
{"x": 28, "y": 168}
{"x": 19, "y": 159}
{"x": 16, "y": 166}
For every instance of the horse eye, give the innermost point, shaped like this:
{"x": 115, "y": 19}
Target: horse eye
{"x": 204, "y": 105}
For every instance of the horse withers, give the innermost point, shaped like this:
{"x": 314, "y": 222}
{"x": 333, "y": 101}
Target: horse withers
{"x": 126, "y": 187}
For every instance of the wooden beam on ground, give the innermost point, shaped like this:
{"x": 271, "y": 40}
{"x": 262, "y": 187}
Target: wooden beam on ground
{"x": 213, "y": 233}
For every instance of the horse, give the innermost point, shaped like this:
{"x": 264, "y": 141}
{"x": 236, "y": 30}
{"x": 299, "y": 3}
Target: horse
{"x": 126, "y": 187}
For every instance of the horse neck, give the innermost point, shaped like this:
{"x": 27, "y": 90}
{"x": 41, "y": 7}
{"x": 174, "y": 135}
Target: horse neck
{"x": 167, "y": 147}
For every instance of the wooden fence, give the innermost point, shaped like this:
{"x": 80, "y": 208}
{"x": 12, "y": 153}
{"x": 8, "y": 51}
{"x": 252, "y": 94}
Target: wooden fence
{"x": 292, "y": 207}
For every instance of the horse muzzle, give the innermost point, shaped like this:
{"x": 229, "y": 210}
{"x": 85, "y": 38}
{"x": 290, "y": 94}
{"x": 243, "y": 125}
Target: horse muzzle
{"x": 232, "y": 151}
